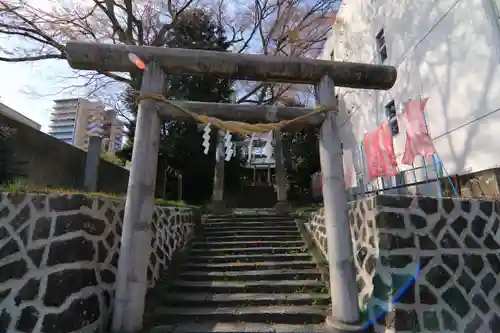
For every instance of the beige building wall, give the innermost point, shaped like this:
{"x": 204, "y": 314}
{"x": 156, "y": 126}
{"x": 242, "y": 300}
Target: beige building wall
{"x": 74, "y": 120}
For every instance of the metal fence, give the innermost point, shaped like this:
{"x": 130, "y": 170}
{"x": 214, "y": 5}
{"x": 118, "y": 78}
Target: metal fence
{"x": 405, "y": 182}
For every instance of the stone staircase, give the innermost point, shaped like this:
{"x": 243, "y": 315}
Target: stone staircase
{"x": 243, "y": 273}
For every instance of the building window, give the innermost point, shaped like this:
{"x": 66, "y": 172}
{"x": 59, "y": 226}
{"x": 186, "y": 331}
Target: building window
{"x": 381, "y": 46}
{"x": 390, "y": 112}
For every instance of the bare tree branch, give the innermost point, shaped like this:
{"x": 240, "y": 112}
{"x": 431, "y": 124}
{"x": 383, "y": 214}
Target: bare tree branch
{"x": 288, "y": 28}
{"x": 32, "y": 58}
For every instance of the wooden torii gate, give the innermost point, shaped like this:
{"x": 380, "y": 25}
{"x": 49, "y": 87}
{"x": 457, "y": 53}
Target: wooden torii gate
{"x": 136, "y": 237}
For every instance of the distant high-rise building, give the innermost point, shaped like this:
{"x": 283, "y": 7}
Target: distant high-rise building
{"x": 74, "y": 119}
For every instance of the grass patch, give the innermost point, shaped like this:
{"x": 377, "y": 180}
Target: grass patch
{"x": 19, "y": 188}
{"x": 309, "y": 208}
{"x": 306, "y": 211}
{"x": 163, "y": 202}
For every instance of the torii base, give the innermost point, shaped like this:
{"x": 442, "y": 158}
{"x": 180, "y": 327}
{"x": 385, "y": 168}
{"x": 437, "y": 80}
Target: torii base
{"x": 334, "y": 326}
{"x": 283, "y": 207}
{"x": 219, "y": 207}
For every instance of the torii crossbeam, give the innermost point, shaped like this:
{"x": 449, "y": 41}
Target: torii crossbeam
{"x": 136, "y": 236}
{"x": 251, "y": 67}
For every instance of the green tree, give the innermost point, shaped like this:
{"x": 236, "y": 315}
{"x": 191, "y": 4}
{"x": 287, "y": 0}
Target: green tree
{"x": 181, "y": 141}
{"x": 301, "y": 153}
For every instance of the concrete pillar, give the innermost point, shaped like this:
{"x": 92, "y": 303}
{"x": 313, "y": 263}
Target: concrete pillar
{"x": 82, "y": 121}
{"x": 343, "y": 288}
{"x": 92, "y": 163}
{"x": 131, "y": 283}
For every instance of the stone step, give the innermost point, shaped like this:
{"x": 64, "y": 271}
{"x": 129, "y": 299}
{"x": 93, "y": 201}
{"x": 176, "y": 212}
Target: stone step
{"x": 250, "y": 222}
{"x": 271, "y": 274}
{"x": 253, "y": 238}
{"x": 285, "y": 257}
{"x": 213, "y": 300}
{"x": 243, "y": 227}
{"x": 254, "y": 232}
{"x": 250, "y": 217}
{"x": 205, "y": 327}
{"x": 241, "y": 266}
{"x": 250, "y": 250}
{"x": 235, "y": 244}
{"x": 259, "y": 286}
{"x": 260, "y": 314}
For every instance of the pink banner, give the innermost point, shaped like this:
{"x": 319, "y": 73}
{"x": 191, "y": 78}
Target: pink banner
{"x": 418, "y": 141}
{"x": 316, "y": 183}
{"x": 349, "y": 170}
{"x": 349, "y": 175}
{"x": 380, "y": 156}
{"x": 388, "y": 156}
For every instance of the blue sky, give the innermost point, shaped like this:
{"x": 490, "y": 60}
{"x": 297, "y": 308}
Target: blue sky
{"x": 19, "y": 79}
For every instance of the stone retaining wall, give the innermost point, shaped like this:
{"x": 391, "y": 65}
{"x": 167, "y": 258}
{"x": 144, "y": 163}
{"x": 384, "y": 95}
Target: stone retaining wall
{"x": 59, "y": 255}
{"x": 456, "y": 245}
{"x": 37, "y": 152}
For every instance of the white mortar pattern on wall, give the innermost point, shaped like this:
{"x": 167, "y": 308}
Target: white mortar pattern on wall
{"x": 364, "y": 248}
{"x": 316, "y": 228}
{"x": 22, "y": 215}
{"x": 177, "y": 230}
{"x": 457, "y": 243}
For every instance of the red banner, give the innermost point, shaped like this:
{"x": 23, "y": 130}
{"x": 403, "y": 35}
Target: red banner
{"x": 380, "y": 156}
{"x": 349, "y": 175}
{"x": 418, "y": 141}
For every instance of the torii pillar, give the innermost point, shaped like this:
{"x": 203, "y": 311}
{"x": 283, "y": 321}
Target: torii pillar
{"x": 343, "y": 287}
{"x": 282, "y": 206}
{"x": 131, "y": 278}
{"x": 218, "y": 205}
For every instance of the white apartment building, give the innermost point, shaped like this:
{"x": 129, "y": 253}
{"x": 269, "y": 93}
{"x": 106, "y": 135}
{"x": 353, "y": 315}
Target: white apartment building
{"x": 446, "y": 50}
{"x": 74, "y": 119}
{"x": 13, "y": 114}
